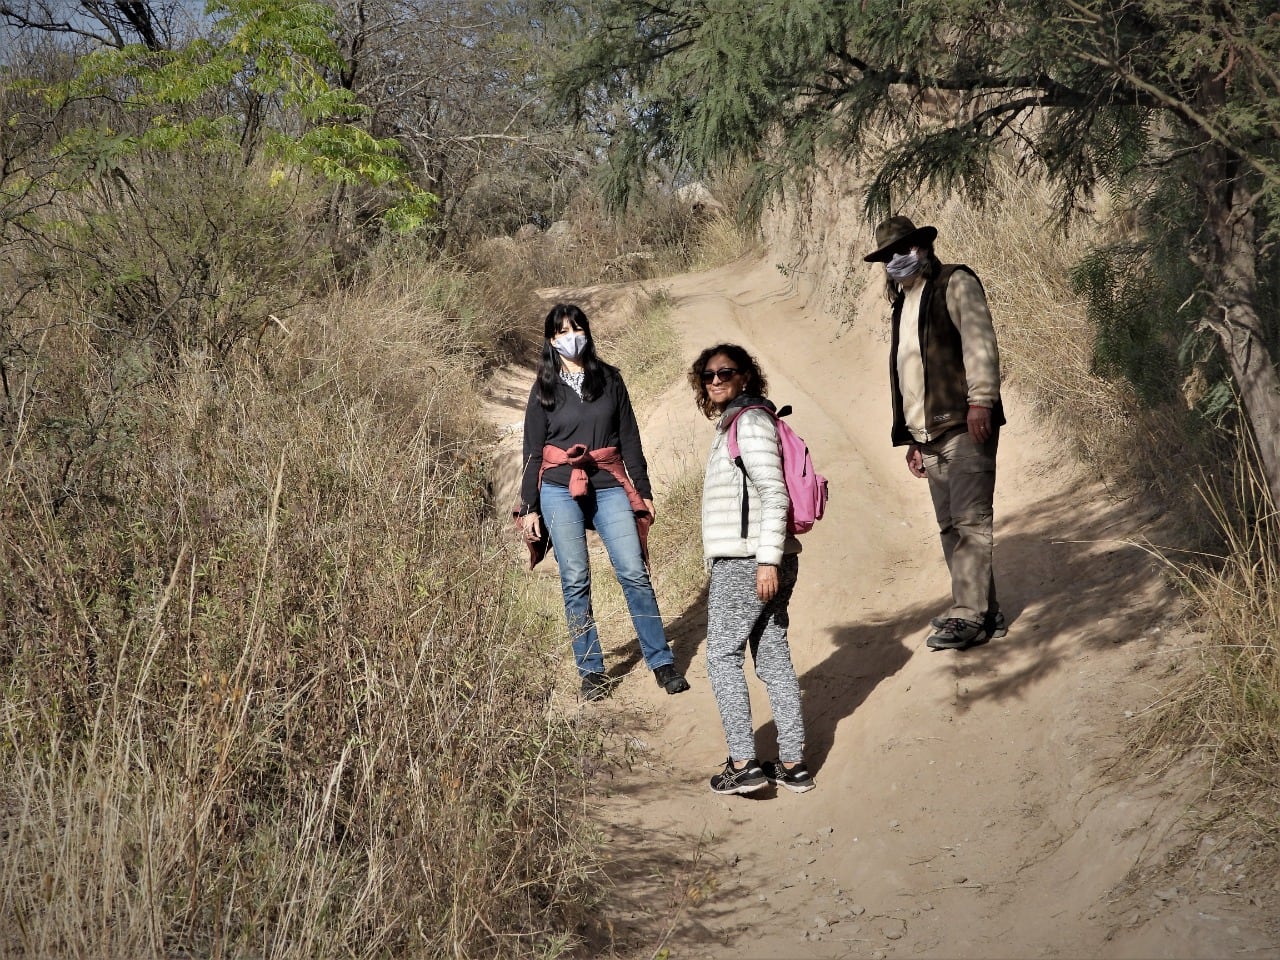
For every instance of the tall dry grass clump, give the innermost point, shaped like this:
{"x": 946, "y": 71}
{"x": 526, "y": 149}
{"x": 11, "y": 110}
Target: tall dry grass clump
{"x": 270, "y": 689}
{"x": 1228, "y": 710}
{"x": 1046, "y": 341}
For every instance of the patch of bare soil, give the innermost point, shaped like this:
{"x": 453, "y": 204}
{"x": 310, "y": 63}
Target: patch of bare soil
{"x": 969, "y": 804}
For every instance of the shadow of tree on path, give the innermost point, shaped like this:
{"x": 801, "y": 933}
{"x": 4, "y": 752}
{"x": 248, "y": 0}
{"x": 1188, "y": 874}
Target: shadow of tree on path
{"x": 1071, "y": 585}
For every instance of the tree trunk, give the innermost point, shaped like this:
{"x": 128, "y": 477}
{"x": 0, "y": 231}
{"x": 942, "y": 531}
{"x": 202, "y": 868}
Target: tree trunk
{"x": 1234, "y": 318}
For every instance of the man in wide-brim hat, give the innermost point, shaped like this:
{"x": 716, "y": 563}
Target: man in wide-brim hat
{"x": 944, "y": 376}
{"x": 899, "y": 232}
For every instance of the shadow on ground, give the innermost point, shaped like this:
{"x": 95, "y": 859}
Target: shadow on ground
{"x": 1054, "y": 560}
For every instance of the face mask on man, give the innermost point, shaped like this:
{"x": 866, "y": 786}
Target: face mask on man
{"x": 570, "y": 345}
{"x": 904, "y": 266}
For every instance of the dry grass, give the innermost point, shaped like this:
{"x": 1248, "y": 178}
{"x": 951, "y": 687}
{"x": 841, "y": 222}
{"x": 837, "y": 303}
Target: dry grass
{"x": 1228, "y": 707}
{"x": 271, "y": 688}
{"x": 661, "y": 236}
{"x": 273, "y": 685}
{"x": 721, "y": 240}
{"x": 1046, "y": 341}
{"x": 644, "y": 345}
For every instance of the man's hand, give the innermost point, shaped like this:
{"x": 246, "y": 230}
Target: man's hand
{"x": 653, "y": 514}
{"x": 915, "y": 460}
{"x": 980, "y": 424}
{"x": 766, "y": 582}
{"x": 532, "y": 526}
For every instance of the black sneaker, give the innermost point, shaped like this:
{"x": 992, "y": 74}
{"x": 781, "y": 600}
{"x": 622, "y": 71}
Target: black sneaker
{"x": 995, "y": 624}
{"x": 595, "y": 686}
{"x": 747, "y": 780}
{"x": 957, "y": 634}
{"x": 669, "y": 680}
{"x": 797, "y": 779}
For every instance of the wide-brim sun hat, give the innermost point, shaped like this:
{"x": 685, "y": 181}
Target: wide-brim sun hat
{"x": 893, "y": 232}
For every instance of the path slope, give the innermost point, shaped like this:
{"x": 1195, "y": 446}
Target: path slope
{"x": 964, "y": 806}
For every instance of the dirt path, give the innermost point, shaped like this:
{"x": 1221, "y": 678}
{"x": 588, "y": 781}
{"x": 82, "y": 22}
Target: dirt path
{"x": 964, "y": 806}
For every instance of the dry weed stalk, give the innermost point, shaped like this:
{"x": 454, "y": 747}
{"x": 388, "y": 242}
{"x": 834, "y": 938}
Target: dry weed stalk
{"x": 1228, "y": 706}
{"x": 270, "y": 688}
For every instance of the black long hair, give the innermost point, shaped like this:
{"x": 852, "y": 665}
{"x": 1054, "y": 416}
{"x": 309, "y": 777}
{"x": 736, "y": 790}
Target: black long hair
{"x": 595, "y": 372}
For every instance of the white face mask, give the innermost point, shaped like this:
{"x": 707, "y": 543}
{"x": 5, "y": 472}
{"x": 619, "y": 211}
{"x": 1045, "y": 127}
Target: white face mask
{"x": 904, "y": 266}
{"x": 570, "y": 345}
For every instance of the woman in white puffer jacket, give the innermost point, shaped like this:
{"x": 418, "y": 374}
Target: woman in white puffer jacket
{"x": 753, "y": 565}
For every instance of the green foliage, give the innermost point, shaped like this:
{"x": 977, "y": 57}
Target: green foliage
{"x": 1137, "y": 100}
{"x": 1126, "y": 305}
{"x": 260, "y": 80}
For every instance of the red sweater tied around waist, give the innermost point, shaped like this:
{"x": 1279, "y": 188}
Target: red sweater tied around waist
{"x": 580, "y": 458}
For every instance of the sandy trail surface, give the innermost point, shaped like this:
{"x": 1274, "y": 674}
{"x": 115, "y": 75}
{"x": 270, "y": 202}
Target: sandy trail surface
{"x": 968, "y": 804}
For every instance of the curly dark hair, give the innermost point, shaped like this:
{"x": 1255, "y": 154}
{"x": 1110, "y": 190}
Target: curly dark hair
{"x": 756, "y": 385}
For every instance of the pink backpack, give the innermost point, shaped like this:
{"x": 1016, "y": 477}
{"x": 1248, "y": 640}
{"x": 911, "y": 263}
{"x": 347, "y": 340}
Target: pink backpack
{"x": 806, "y": 488}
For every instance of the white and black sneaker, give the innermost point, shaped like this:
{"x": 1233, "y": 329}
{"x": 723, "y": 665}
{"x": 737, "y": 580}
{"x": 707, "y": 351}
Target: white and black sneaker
{"x": 796, "y": 778}
{"x": 747, "y": 780}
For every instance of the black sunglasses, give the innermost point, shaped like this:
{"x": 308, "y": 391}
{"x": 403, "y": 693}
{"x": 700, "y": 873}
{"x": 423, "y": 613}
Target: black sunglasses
{"x": 724, "y": 373}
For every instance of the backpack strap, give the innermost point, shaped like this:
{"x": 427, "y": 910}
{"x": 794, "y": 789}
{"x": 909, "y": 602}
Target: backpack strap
{"x": 735, "y": 454}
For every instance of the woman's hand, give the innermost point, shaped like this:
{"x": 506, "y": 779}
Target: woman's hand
{"x": 532, "y": 526}
{"x": 766, "y": 582}
{"x": 653, "y": 514}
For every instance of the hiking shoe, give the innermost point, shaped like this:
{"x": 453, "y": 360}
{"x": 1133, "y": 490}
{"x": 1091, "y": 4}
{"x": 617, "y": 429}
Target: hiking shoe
{"x": 995, "y": 624}
{"x": 669, "y": 680}
{"x": 957, "y": 634}
{"x": 797, "y": 779}
{"x": 747, "y": 780}
{"x": 595, "y": 686}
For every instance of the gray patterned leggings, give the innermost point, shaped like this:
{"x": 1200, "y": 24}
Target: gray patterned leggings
{"x": 736, "y": 618}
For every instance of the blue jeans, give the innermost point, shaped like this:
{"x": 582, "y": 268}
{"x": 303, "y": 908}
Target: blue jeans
{"x": 610, "y": 513}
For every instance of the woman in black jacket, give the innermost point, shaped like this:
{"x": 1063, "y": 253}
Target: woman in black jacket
{"x": 584, "y": 468}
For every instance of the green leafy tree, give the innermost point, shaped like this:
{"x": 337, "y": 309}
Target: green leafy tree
{"x": 159, "y": 200}
{"x": 261, "y": 80}
{"x": 1126, "y": 96}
